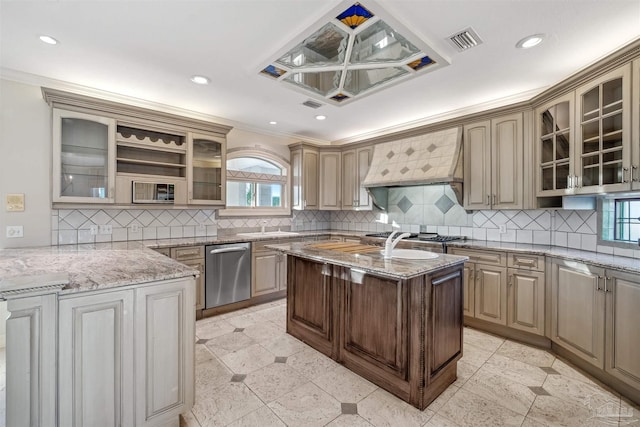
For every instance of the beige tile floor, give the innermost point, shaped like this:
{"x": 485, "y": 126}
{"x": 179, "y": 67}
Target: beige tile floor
{"x": 249, "y": 372}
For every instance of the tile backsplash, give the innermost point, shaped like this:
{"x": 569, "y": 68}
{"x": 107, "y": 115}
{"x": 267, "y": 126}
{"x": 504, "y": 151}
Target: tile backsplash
{"x": 565, "y": 228}
{"x": 74, "y": 225}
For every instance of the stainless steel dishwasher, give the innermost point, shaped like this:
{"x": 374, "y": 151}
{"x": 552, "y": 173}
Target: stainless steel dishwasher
{"x": 227, "y": 274}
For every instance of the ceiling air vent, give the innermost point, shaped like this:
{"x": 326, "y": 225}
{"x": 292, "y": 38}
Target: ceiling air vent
{"x": 465, "y": 39}
{"x": 311, "y": 104}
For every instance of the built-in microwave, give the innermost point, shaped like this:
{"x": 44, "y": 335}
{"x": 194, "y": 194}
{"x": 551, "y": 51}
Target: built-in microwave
{"x": 152, "y": 192}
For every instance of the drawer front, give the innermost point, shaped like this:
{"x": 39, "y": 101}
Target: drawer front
{"x": 187, "y": 252}
{"x": 526, "y": 261}
{"x": 164, "y": 251}
{"x": 482, "y": 257}
{"x": 260, "y": 245}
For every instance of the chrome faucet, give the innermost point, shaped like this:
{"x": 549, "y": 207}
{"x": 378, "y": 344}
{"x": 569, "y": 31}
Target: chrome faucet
{"x": 389, "y": 244}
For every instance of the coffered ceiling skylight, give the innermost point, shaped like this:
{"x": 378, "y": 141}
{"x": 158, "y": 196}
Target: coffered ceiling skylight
{"x": 353, "y": 51}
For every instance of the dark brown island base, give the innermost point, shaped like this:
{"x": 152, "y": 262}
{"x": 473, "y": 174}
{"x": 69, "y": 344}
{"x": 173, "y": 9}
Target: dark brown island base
{"x": 397, "y": 323}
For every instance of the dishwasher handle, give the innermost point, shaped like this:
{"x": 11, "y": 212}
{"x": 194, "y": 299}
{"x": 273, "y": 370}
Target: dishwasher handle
{"x": 227, "y": 250}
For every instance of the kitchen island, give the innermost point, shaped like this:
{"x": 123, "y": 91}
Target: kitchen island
{"x": 99, "y": 334}
{"x": 395, "y": 322}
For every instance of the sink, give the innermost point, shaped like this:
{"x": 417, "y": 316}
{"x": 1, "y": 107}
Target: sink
{"x": 412, "y": 254}
{"x": 269, "y": 234}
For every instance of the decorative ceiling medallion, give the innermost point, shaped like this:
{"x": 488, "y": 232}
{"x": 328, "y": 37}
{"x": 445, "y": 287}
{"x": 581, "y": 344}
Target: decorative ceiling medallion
{"x": 353, "y": 51}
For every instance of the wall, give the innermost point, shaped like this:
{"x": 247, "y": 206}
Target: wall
{"x": 25, "y": 164}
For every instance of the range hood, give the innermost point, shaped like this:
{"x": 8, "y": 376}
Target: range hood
{"x": 433, "y": 158}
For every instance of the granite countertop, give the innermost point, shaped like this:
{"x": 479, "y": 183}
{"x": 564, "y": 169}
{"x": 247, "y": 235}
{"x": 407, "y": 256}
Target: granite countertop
{"x": 77, "y": 268}
{"x": 370, "y": 262}
{"x": 595, "y": 258}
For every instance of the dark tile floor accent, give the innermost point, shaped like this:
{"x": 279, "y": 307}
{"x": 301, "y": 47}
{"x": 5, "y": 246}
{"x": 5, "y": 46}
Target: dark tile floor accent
{"x": 550, "y": 370}
{"x": 238, "y": 330}
{"x": 201, "y": 341}
{"x": 539, "y": 391}
{"x": 280, "y": 359}
{"x": 349, "y": 408}
{"x": 238, "y": 378}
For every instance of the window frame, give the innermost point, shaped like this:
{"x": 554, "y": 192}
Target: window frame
{"x": 282, "y": 163}
{"x": 607, "y": 223}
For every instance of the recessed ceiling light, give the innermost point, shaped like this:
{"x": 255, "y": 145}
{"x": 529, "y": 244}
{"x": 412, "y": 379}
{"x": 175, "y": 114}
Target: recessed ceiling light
{"x": 321, "y": 117}
{"x": 201, "y": 80}
{"x": 530, "y": 41}
{"x": 273, "y": 123}
{"x": 48, "y": 40}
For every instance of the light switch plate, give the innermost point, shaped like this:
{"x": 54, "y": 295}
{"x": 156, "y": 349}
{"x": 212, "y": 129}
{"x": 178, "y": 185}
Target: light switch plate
{"x": 15, "y": 203}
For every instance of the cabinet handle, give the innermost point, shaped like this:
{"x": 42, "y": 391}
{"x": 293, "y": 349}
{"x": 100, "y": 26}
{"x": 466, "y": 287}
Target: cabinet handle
{"x": 569, "y": 181}
{"x": 634, "y": 169}
{"x": 304, "y": 203}
{"x": 625, "y": 173}
{"x": 527, "y": 262}
{"x": 578, "y": 181}
{"x": 488, "y": 200}
{"x": 598, "y": 287}
{"x": 494, "y": 200}
{"x": 510, "y": 280}
{"x": 606, "y": 285}
{"x": 471, "y": 275}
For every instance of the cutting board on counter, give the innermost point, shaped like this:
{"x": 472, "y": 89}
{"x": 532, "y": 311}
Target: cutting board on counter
{"x": 347, "y": 247}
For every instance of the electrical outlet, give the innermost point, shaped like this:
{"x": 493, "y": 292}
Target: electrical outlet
{"x": 105, "y": 229}
{"x": 93, "y": 229}
{"x": 135, "y": 228}
{"x": 15, "y": 231}
{"x": 503, "y": 228}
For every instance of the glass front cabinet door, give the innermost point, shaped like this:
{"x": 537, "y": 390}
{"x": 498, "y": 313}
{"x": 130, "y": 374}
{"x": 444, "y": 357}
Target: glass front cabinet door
{"x": 603, "y": 124}
{"x": 206, "y": 169}
{"x": 555, "y": 147}
{"x": 83, "y": 160}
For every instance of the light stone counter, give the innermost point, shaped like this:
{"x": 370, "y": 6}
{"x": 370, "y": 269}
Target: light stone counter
{"x": 78, "y": 268}
{"x": 371, "y": 262}
{"x": 616, "y": 262}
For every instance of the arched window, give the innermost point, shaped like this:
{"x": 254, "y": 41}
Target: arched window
{"x": 257, "y": 184}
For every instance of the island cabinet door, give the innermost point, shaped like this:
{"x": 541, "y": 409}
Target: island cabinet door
{"x": 164, "y": 350}
{"x": 310, "y": 304}
{"x": 95, "y": 363}
{"x": 374, "y": 326}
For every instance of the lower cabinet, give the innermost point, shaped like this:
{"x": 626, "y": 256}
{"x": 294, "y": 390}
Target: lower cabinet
{"x": 95, "y": 362}
{"x": 375, "y": 319}
{"x": 310, "y": 311}
{"x": 577, "y": 309}
{"x": 193, "y": 256}
{"x": 504, "y": 288}
{"x": 126, "y": 357}
{"x": 622, "y": 355}
{"x": 269, "y": 271}
{"x": 405, "y": 335}
{"x": 485, "y": 276}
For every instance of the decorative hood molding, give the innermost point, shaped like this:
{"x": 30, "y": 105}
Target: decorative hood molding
{"x": 433, "y": 158}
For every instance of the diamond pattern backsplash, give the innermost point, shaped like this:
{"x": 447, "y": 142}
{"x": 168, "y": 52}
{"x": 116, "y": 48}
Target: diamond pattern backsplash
{"x": 415, "y": 209}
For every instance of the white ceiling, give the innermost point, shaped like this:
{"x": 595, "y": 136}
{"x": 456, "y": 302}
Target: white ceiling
{"x": 149, "y": 50}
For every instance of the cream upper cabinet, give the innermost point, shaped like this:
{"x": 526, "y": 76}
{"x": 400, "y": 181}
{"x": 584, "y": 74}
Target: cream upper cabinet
{"x": 554, "y": 146}
{"x": 355, "y": 165}
{"x": 603, "y": 133}
{"x": 493, "y": 159}
{"x": 83, "y": 158}
{"x": 635, "y": 127}
{"x": 330, "y": 180}
{"x": 206, "y": 169}
{"x": 304, "y": 178}
{"x": 577, "y": 309}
